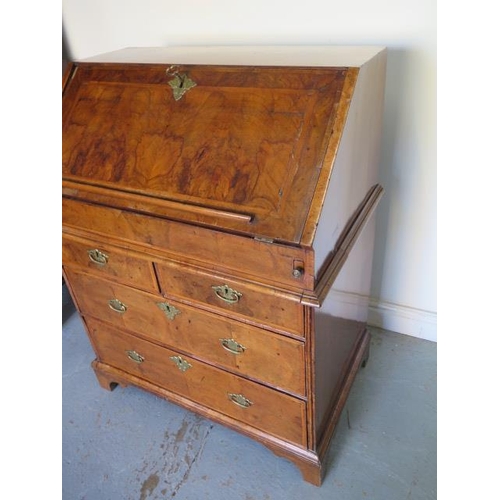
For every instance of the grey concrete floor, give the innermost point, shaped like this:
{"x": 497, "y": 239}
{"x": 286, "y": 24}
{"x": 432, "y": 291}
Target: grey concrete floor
{"x": 131, "y": 445}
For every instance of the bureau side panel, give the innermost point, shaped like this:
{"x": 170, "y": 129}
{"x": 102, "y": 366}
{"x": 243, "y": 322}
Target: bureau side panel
{"x": 355, "y": 171}
{"x": 340, "y": 323}
{"x": 335, "y": 345}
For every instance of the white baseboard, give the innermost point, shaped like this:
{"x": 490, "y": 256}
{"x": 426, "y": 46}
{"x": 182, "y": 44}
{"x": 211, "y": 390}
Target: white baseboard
{"x": 393, "y": 317}
{"x": 402, "y": 319}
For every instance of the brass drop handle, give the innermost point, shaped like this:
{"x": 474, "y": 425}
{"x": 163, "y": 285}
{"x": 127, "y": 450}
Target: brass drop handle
{"x": 135, "y": 356}
{"x": 97, "y": 257}
{"x": 232, "y": 346}
{"x": 117, "y": 306}
{"x": 227, "y": 294}
{"x": 239, "y": 400}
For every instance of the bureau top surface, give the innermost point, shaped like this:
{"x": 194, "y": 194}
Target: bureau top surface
{"x": 258, "y": 55}
{"x": 237, "y": 147}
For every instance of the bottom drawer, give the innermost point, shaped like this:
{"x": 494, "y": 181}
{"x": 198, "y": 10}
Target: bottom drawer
{"x": 266, "y": 409}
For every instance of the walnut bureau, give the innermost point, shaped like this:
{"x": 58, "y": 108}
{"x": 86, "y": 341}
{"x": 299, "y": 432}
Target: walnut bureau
{"x": 218, "y": 234}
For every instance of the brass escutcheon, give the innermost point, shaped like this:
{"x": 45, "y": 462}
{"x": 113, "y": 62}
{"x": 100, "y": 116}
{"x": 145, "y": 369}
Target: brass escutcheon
{"x": 227, "y": 294}
{"x": 239, "y": 400}
{"x": 180, "y": 83}
{"x": 232, "y": 346}
{"x": 98, "y": 257}
{"x": 117, "y": 306}
{"x": 182, "y": 364}
{"x": 170, "y": 311}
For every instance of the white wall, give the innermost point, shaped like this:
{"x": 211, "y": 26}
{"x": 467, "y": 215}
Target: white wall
{"x": 404, "y": 278}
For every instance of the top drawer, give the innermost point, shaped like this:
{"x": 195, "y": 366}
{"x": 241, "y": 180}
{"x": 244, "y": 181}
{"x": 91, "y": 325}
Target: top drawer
{"x": 109, "y": 262}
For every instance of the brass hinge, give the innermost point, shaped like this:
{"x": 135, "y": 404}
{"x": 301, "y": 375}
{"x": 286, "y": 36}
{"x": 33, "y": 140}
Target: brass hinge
{"x": 262, "y": 239}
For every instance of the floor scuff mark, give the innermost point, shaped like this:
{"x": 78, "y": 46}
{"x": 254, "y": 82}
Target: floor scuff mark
{"x": 149, "y": 485}
{"x": 169, "y": 461}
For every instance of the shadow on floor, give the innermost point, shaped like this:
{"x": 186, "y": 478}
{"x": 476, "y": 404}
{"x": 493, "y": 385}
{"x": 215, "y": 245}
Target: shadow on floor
{"x": 68, "y": 308}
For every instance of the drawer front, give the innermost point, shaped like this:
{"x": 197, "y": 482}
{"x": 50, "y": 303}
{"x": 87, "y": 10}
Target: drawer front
{"x": 266, "y": 409}
{"x": 109, "y": 262}
{"x": 270, "y": 358}
{"x": 260, "y": 305}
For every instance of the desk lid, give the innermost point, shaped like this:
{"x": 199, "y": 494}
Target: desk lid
{"x": 245, "y": 149}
